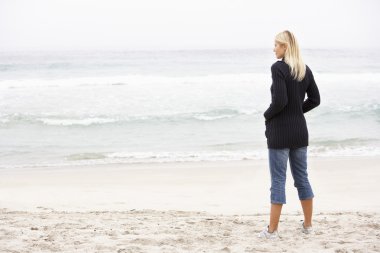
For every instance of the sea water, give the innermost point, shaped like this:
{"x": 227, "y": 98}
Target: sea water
{"x": 102, "y": 107}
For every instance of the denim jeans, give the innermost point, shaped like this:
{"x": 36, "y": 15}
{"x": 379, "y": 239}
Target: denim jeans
{"x": 278, "y": 159}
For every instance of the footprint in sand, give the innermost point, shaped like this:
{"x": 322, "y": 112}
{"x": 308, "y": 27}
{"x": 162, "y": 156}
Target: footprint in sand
{"x": 225, "y": 249}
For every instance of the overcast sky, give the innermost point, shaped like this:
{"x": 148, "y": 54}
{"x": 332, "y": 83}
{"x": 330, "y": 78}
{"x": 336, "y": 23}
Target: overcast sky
{"x": 179, "y": 24}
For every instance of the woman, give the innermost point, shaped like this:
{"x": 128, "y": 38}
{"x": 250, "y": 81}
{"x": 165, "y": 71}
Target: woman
{"x": 286, "y": 130}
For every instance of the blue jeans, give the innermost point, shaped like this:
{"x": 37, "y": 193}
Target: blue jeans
{"x": 278, "y": 159}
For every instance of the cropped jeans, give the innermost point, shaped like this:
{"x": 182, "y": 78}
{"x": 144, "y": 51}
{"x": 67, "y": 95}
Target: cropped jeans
{"x": 278, "y": 159}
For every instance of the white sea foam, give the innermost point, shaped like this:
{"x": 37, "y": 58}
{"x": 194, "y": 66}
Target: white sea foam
{"x": 70, "y": 122}
{"x": 189, "y": 156}
{"x": 241, "y": 78}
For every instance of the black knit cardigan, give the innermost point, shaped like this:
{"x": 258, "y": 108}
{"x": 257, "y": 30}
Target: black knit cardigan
{"x": 285, "y": 123}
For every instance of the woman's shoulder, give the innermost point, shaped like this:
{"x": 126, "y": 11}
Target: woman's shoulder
{"x": 308, "y": 70}
{"x": 279, "y": 64}
{"x": 280, "y": 67}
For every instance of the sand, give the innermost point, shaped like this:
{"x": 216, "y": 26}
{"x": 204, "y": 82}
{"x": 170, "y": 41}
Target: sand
{"x": 186, "y": 207}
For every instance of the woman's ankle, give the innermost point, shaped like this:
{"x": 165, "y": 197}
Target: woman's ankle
{"x": 307, "y": 224}
{"x": 271, "y": 230}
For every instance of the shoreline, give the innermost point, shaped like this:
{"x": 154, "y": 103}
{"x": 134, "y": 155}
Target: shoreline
{"x": 228, "y": 187}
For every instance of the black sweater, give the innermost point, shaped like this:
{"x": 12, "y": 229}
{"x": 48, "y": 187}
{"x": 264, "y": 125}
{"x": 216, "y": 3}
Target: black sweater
{"x": 284, "y": 120}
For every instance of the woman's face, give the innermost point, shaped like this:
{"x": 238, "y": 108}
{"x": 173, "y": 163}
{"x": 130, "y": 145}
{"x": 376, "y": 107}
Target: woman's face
{"x": 279, "y": 50}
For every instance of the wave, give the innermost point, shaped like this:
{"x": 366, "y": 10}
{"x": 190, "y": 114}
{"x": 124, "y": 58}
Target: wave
{"x": 350, "y": 106}
{"x": 57, "y": 120}
{"x": 323, "y": 151}
{"x": 192, "y": 156}
{"x": 73, "y": 122}
{"x": 85, "y": 156}
{"x": 143, "y": 157}
{"x": 345, "y": 147}
{"x": 345, "y": 142}
{"x": 138, "y": 79}
{"x": 135, "y": 79}
{"x": 361, "y": 110}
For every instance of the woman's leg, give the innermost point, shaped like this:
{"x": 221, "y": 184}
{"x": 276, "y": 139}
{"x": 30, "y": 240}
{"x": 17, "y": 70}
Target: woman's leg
{"x": 278, "y": 159}
{"x": 275, "y": 212}
{"x": 307, "y": 207}
{"x": 298, "y": 166}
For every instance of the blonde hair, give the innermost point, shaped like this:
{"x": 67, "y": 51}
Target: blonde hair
{"x": 292, "y": 54}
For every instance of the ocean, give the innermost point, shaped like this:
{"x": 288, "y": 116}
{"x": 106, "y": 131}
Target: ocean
{"x": 104, "y": 107}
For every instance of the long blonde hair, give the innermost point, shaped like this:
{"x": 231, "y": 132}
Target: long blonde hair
{"x": 292, "y": 54}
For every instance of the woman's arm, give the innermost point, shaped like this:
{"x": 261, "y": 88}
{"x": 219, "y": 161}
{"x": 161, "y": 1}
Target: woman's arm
{"x": 279, "y": 93}
{"x": 313, "y": 97}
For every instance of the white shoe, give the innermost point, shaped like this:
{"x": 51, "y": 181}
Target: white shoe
{"x": 265, "y": 234}
{"x": 307, "y": 230}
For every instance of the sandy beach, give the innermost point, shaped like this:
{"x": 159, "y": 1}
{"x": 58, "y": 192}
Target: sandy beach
{"x": 144, "y": 126}
{"x": 186, "y": 207}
